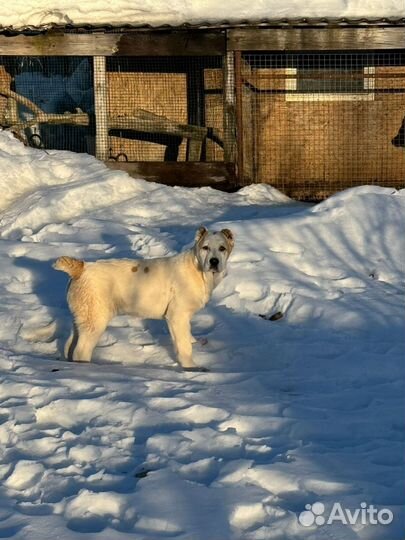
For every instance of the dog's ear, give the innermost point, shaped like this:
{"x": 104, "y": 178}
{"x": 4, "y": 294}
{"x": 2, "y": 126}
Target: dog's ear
{"x": 202, "y": 231}
{"x": 229, "y": 236}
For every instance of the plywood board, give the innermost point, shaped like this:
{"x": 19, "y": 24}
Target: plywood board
{"x": 316, "y": 144}
{"x": 164, "y": 94}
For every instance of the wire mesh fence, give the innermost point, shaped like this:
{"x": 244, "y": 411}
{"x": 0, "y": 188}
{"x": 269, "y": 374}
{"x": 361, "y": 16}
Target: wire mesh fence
{"x": 156, "y": 108}
{"x": 172, "y": 105}
{"x": 54, "y": 100}
{"x": 308, "y": 123}
{"x": 320, "y": 122}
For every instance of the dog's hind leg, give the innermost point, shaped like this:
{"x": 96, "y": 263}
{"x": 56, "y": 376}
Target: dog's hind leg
{"x": 70, "y": 344}
{"x": 87, "y": 339}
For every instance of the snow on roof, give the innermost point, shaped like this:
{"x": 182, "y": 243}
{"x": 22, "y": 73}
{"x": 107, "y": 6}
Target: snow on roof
{"x": 21, "y": 14}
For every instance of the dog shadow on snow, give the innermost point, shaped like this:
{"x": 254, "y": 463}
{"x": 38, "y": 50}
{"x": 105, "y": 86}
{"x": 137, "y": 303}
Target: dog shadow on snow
{"x": 50, "y": 287}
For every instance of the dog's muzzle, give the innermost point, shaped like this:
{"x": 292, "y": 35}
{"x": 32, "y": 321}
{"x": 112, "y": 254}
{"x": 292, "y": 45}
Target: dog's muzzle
{"x": 214, "y": 262}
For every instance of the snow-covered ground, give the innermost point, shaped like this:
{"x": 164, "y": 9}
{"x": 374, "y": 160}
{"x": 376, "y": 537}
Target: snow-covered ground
{"x": 23, "y": 13}
{"x": 307, "y": 408}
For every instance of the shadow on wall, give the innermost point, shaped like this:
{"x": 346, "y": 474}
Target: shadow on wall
{"x": 399, "y": 139}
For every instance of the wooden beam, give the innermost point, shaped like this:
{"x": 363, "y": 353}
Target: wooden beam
{"x": 101, "y": 107}
{"x": 73, "y": 119}
{"x": 168, "y": 43}
{"x": 310, "y": 39}
{"x": 152, "y": 123}
{"x": 187, "y": 174}
{"x": 141, "y": 43}
{"x": 194, "y": 149}
{"x": 59, "y": 44}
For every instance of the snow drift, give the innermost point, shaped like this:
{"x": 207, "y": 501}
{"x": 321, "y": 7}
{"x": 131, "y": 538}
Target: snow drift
{"x": 306, "y": 408}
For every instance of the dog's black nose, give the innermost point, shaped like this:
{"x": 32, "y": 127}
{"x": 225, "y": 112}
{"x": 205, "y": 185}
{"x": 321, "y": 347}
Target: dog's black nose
{"x": 214, "y": 261}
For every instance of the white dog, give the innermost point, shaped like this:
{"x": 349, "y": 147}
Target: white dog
{"x": 171, "y": 288}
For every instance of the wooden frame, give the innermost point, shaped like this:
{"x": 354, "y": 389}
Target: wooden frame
{"x": 311, "y": 39}
{"x": 177, "y": 43}
{"x": 101, "y": 107}
{"x": 229, "y": 43}
{"x": 195, "y": 43}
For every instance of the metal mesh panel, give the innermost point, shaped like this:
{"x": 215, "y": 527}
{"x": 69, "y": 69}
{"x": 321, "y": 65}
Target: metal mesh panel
{"x": 49, "y": 87}
{"x": 155, "y": 108}
{"x": 168, "y": 108}
{"x": 308, "y": 123}
{"x": 316, "y": 123}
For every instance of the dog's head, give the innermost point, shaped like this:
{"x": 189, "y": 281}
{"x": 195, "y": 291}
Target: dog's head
{"x": 212, "y": 249}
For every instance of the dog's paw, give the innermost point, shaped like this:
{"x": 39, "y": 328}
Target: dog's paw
{"x": 275, "y": 317}
{"x": 196, "y": 369}
{"x": 201, "y": 341}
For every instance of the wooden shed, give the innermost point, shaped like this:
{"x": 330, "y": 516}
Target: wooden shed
{"x": 309, "y": 106}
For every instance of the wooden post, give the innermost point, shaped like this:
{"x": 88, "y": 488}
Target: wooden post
{"x": 101, "y": 107}
{"x": 194, "y": 149}
{"x": 229, "y": 109}
{"x": 196, "y": 110}
{"x": 239, "y": 118}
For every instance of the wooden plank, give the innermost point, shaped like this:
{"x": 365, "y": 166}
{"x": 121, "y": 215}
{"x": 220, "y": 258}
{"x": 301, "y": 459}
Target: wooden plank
{"x": 159, "y": 124}
{"x": 178, "y": 43}
{"x": 214, "y": 112}
{"x": 250, "y": 143}
{"x": 392, "y": 77}
{"x": 168, "y": 43}
{"x": 187, "y": 174}
{"x": 194, "y": 149}
{"x": 101, "y": 107}
{"x": 195, "y": 43}
{"x": 310, "y": 39}
{"x": 59, "y": 44}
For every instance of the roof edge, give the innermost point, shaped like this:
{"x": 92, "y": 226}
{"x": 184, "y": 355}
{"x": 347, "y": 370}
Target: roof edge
{"x": 301, "y": 22}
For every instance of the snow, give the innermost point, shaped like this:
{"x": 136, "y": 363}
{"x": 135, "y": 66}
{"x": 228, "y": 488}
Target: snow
{"x": 23, "y": 13}
{"x": 307, "y": 408}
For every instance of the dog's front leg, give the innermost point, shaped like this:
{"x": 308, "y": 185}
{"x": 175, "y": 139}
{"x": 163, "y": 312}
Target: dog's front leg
{"x": 180, "y": 331}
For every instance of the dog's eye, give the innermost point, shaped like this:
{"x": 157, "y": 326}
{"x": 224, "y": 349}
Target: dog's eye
{"x": 205, "y": 248}
{"x": 222, "y": 248}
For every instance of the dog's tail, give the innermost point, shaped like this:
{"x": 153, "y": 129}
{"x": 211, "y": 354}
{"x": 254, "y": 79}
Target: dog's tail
{"x": 73, "y": 267}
